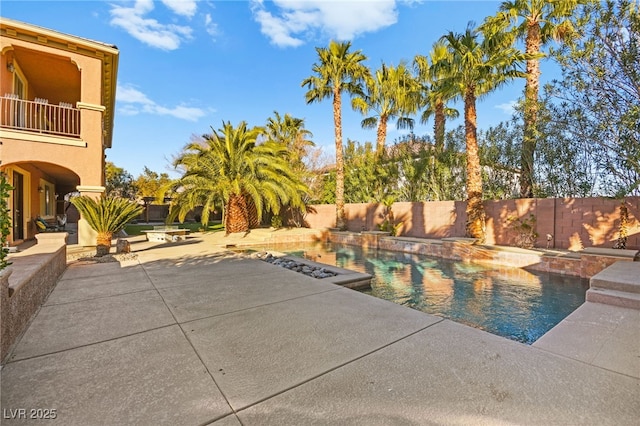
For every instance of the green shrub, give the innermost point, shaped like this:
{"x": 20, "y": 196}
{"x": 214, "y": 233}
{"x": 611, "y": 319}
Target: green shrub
{"x": 5, "y": 220}
{"x": 106, "y": 216}
{"x": 389, "y": 224}
{"x": 276, "y": 222}
{"x": 525, "y": 230}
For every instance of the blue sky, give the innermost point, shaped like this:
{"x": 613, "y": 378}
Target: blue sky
{"x": 187, "y": 65}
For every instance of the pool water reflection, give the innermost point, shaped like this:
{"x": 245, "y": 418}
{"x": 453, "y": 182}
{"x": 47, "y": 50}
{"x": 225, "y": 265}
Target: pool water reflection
{"x": 509, "y": 302}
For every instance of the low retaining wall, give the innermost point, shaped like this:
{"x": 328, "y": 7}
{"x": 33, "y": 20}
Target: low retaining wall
{"x": 584, "y": 263}
{"x": 27, "y": 283}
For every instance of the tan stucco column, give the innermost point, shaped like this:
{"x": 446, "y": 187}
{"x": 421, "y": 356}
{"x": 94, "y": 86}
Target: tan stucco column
{"x": 86, "y": 235}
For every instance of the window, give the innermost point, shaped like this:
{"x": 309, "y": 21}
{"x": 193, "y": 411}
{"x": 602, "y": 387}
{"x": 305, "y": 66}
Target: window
{"x": 47, "y": 199}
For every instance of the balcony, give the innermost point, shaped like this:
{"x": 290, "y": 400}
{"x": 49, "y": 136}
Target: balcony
{"x": 39, "y": 116}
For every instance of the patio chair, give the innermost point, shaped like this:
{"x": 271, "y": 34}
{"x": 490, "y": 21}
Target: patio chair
{"x": 44, "y": 226}
{"x": 62, "y": 221}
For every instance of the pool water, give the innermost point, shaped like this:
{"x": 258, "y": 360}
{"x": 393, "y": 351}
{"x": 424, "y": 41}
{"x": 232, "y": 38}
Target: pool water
{"x": 510, "y": 302}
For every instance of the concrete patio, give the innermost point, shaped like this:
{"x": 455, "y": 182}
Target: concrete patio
{"x": 191, "y": 334}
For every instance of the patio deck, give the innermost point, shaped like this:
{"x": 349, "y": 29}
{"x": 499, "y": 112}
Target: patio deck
{"x": 188, "y": 333}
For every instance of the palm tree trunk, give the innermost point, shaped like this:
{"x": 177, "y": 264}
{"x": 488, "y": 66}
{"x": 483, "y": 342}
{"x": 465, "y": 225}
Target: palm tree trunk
{"x": 381, "y": 134}
{"x": 103, "y": 243}
{"x": 237, "y": 214}
{"x": 475, "y": 209}
{"x": 252, "y": 213}
{"x": 533, "y": 43}
{"x": 341, "y": 222}
{"x": 438, "y": 125}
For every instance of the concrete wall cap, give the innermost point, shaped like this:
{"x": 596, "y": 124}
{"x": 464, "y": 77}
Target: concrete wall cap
{"x": 461, "y": 239}
{"x": 595, "y": 251}
{"x": 52, "y": 237}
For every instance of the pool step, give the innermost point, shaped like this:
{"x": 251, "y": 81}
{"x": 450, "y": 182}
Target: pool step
{"x": 621, "y": 299}
{"x": 617, "y": 285}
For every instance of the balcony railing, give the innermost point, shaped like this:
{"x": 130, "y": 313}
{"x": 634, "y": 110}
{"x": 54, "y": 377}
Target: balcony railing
{"x": 39, "y": 116}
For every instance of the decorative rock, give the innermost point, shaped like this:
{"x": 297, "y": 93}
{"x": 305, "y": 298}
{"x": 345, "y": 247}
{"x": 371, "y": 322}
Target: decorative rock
{"x": 123, "y": 246}
{"x": 296, "y": 266}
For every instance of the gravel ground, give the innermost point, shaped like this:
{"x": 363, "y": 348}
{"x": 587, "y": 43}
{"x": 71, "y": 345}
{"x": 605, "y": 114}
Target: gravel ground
{"x": 91, "y": 257}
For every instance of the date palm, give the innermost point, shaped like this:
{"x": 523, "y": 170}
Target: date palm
{"x": 337, "y": 70}
{"x": 431, "y": 71}
{"x": 106, "y": 216}
{"x": 479, "y": 64}
{"x": 537, "y": 22}
{"x": 391, "y": 93}
{"x": 229, "y": 167}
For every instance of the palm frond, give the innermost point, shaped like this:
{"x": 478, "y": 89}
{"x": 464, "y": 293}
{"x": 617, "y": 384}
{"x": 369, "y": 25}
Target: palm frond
{"x": 107, "y": 214}
{"x": 233, "y": 164}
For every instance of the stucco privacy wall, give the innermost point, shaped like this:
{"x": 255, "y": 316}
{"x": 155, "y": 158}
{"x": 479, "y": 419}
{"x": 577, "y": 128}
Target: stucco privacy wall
{"x": 572, "y": 223}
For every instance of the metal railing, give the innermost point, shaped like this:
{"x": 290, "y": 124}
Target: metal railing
{"x": 39, "y": 116}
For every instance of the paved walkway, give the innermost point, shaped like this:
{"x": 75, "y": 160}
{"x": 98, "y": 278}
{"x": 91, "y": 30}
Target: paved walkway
{"x": 188, "y": 334}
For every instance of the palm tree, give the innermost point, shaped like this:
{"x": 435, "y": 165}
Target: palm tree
{"x": 537, "y": 22}
{"x": 229, "y": 167}
{"x": 435, "y": 96}
{"x": 290, "y": 132}
{"x": 390, "y": 93}
{"x": 337, "y": 70}
{"x": 478, "y": 64}
{"x": 106, "y": 216}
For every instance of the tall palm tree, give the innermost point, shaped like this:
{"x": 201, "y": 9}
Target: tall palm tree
{"x": 479, "y": 64}
{"x": 229, "y": 167}
{"x": 537, "y": 22}
{"x": 390, "y": 93}
{"x": 106, "y": 216}
{"x": 435, "y": 97}
{"x": 337, "y": 70}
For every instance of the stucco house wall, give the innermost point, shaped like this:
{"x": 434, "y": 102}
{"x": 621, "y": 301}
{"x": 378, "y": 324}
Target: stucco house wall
{"x": 54, "y": 137}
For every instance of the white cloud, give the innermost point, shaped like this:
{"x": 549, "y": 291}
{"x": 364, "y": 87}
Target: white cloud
{"x": 136, "y": 102}
{"x": 150, "y": 31}
{"x": 290, "y": 22}
{"x": 128, "y": 94}
{"x": 182, "y": 7}
{"x": 180, "y": 111}
{"x": 276, "y": 29}
{"x": 211, "y": 27}
{"x": 508, "y": 107}
{"x": 128, "y": 110}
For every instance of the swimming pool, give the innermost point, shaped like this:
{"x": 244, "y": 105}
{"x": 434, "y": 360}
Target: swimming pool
{"x": 509, "y": 302}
